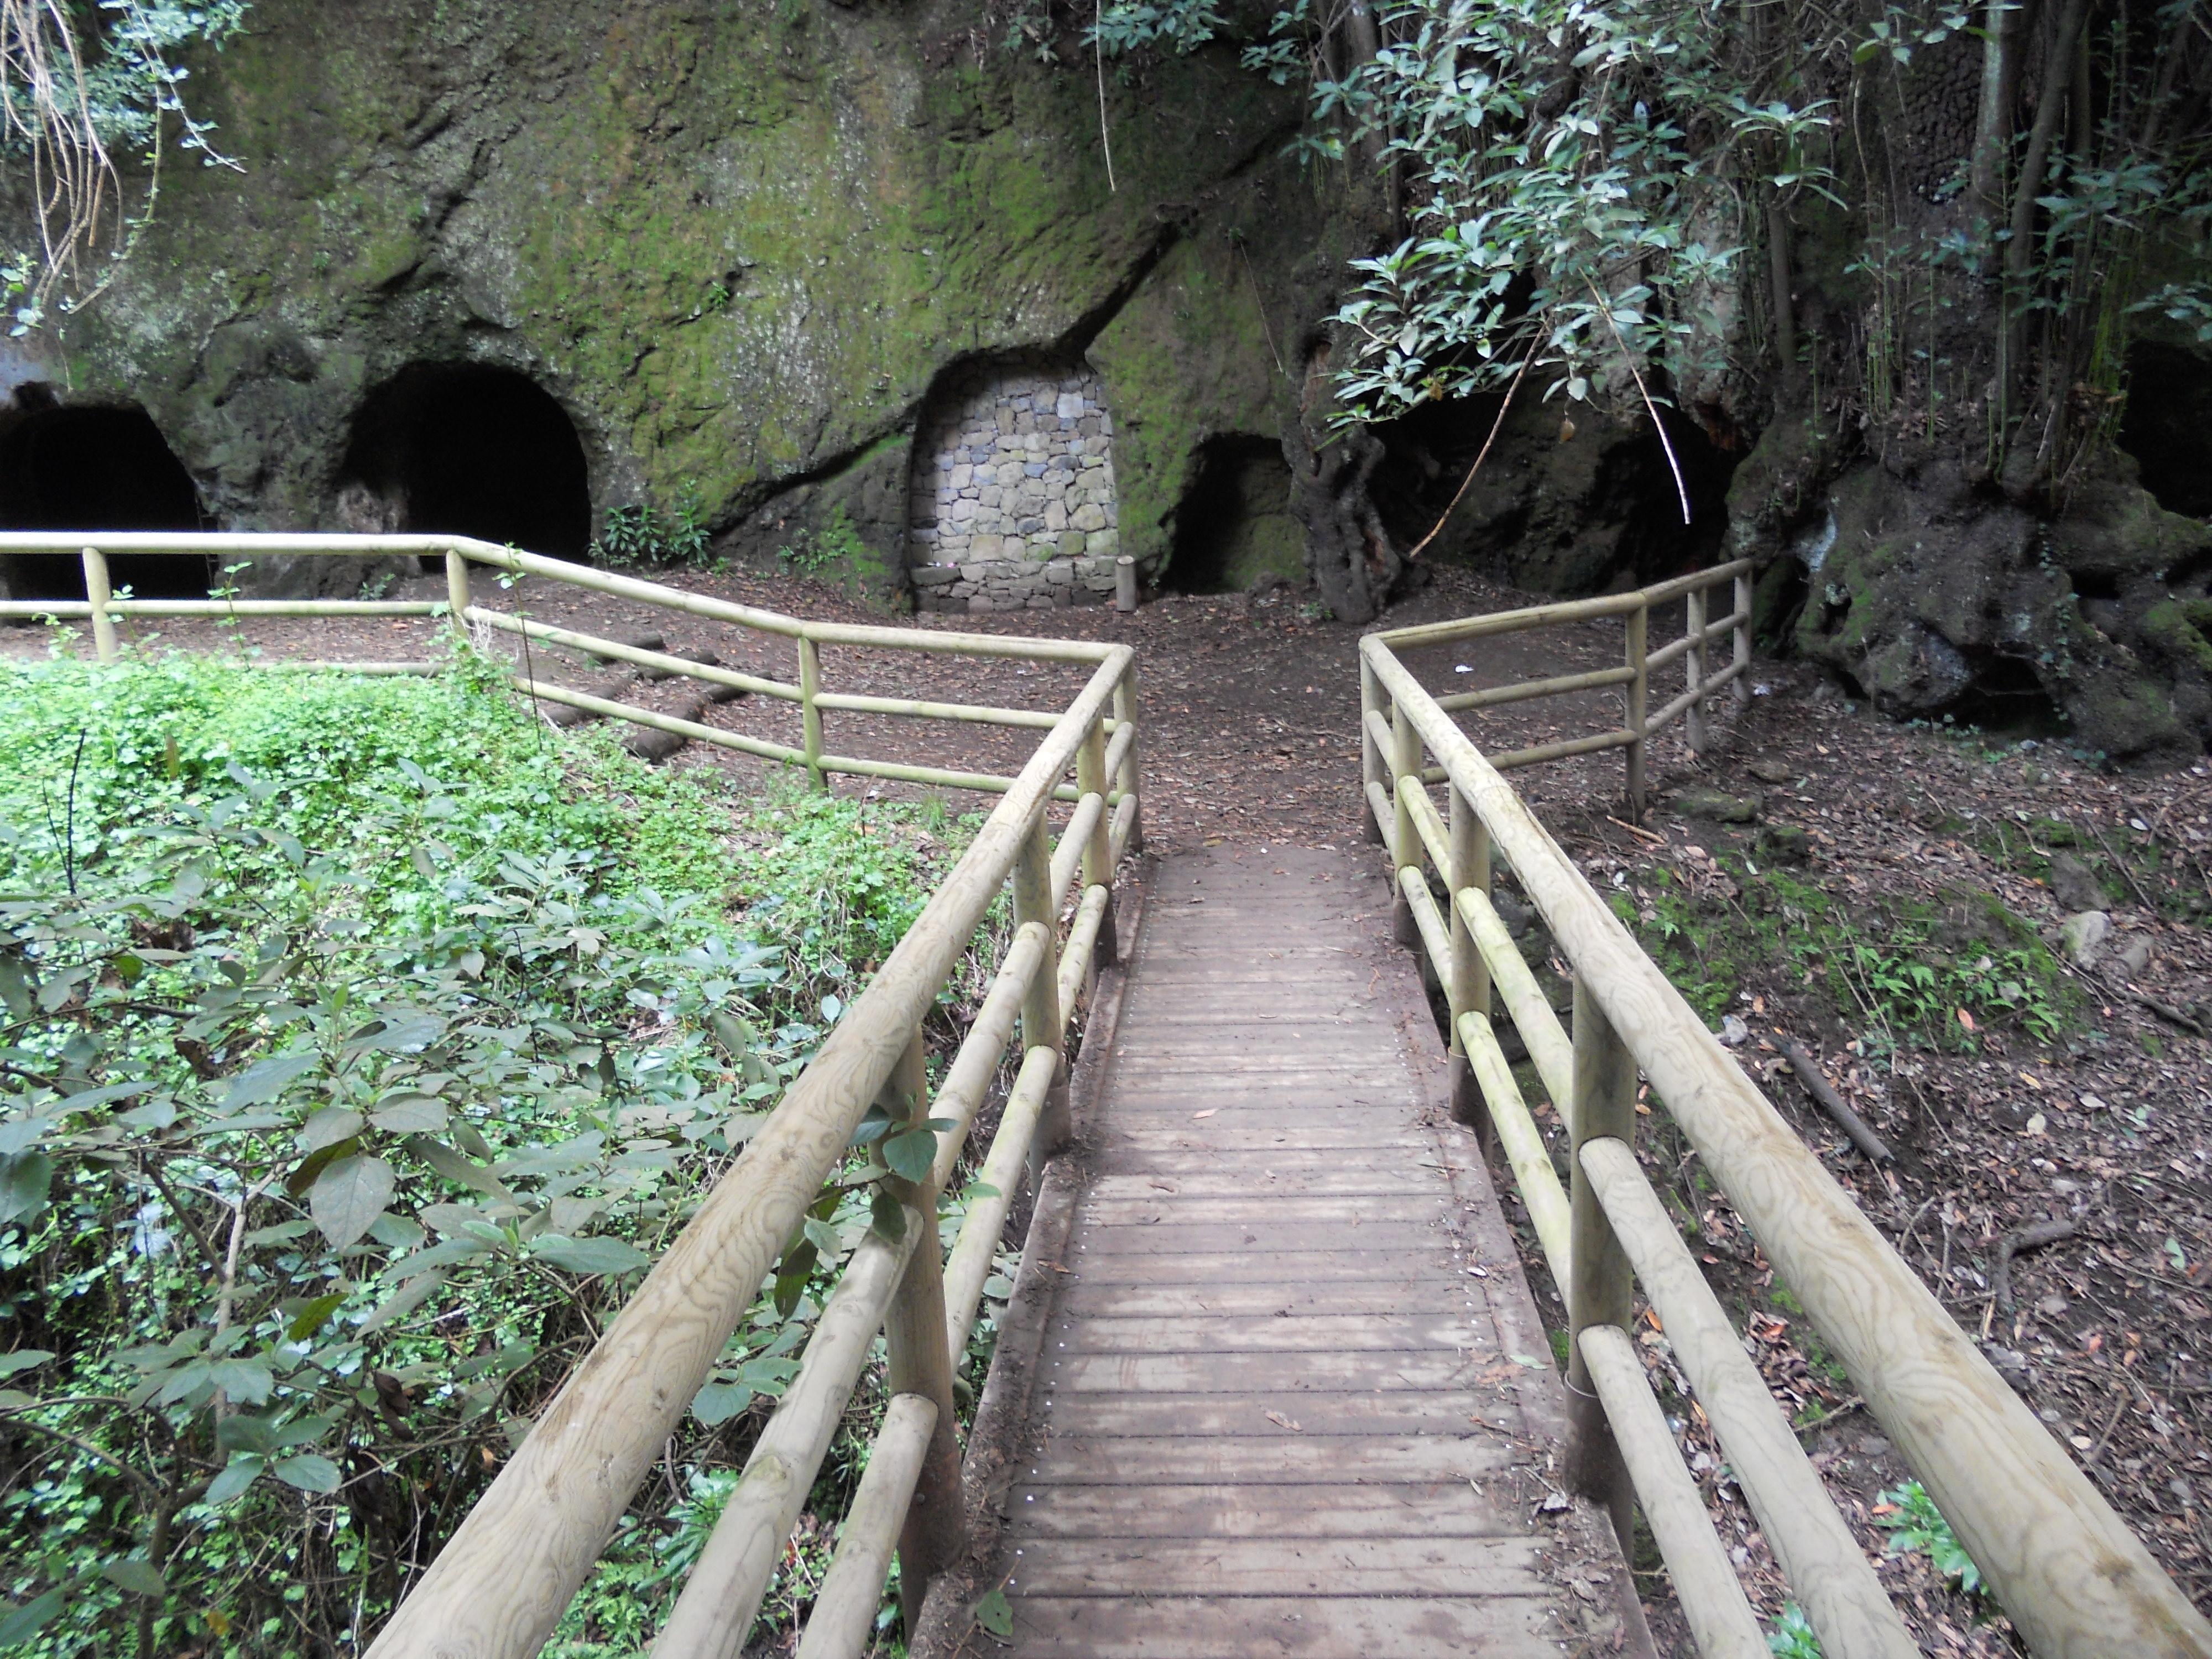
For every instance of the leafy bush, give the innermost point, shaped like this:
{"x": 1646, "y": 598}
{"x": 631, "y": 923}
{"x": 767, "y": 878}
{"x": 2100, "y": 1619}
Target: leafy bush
{"x": 1793, "y": 1637}
{"x": 644, "y": 535}
{"x": 1914, "y": 1522}
{"x": 361, "y": 1041}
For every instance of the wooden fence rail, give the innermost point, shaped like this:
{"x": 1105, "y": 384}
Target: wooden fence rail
{"x": 502, "y": 1582}
{"x": 1639, "y": 722}
{"x": 2073, "y": 1580}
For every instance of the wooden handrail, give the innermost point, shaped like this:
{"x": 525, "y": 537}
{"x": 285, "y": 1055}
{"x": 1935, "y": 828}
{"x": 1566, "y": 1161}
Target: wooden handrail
{"x": 1634, "y": 674}
{"x": 2073, "y": 1579}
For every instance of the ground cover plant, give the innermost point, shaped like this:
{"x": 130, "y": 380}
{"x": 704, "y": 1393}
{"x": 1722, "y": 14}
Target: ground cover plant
{"x": 361, "y": 1040}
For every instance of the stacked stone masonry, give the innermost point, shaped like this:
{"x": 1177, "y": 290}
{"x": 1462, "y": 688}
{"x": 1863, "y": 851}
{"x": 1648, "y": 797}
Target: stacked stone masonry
{"x": 1012, "y": 505}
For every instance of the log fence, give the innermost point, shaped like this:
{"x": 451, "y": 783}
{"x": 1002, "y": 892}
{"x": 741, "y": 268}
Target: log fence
{"x": 501, "y": 1583}
{"x": 2073, "y": 1579}
{"x": 1639, "y": 722}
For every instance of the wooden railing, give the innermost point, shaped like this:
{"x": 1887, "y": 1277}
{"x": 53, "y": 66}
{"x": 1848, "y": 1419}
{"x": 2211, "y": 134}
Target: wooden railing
{"x": 502, "y": 1582}
{"x": 2073, "y": 1580}
{"x": 103, "y": 609}
{"x": 1639, "y": 721}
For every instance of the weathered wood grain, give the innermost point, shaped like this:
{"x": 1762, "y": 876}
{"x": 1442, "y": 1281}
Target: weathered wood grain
{"x": 1275, "y": 1410}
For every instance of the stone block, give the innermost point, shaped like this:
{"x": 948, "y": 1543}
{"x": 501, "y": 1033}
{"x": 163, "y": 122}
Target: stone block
{"x": 1055, "y": 516}
{"x": 934, "y": 575}
{"x": 963, "y": 476}
{"x": 1071, "y": 543}
{"x": 1103, "y": 543}
{"x": 1088, "y": 516}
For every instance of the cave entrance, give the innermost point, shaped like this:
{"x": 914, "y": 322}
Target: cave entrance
{"x": 1233, "y": 526}
{"x": 2167, "y": 425}
{"x": 468, "y": 449}
{"x": 64, "y": 468}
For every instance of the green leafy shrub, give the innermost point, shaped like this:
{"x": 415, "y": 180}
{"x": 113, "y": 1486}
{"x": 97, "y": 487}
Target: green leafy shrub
{"x": 1914, "y": 1522}
{"x": 1793, "y": 1637}
{"x": 644, "y": 535}
{"x": 361, "y": 1041}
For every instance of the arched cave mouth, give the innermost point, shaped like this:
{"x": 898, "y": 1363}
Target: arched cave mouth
{"x": 2167, "y": 425}
{"x": 468, "y": 449}
{"x": 98, "y": 468}
{"x": 1233, "y": 526}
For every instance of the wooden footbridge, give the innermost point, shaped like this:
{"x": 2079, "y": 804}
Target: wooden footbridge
{"x": 1272, "y": 1381}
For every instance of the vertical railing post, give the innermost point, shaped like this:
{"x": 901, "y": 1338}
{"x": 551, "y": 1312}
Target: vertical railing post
{"x": 1741, "y": 657}
{"x": 1693, "y": 716}
{"x": 1405, "y": 777}
{"x": 1097, "y": 852}
{"x": 1603, "y": 1288}
{"x": 934, "y": 1535}
{"x": 457, "y": 591}
{"x": 1124, "y": 713}
{"x": 1371, "y": 758}
{"x": 1468, "y": 991}
{"x": 1639, "y": 692}
{"x": 100, "y": 596}
{"x": 1042, "y": 1024}
{"x": 810, "y": 715}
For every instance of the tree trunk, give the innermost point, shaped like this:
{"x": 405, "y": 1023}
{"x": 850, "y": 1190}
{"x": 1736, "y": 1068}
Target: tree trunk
{"x": 1349, "y": 554}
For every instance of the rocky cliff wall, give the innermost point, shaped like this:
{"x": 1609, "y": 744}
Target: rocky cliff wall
{"x": 743, "y": 250}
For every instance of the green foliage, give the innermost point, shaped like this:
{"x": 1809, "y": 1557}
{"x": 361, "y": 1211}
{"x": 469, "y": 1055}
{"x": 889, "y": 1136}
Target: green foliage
{"x": 1905, "y": 971}
{"x": 1793, "y": 1637}
{"x": 359, "y": 1041}
{"x": 78, "y": 82}
{"x": 836, "y": 544}
{"x": 1915, "y": 1524}
{"x": 643, "y": 535}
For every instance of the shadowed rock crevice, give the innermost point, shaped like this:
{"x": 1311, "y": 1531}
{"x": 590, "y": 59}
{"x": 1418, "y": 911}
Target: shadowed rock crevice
{"x": 1233, "y": 526}
{"x": 471, "y": 450}
{"x": 103, "y": 468}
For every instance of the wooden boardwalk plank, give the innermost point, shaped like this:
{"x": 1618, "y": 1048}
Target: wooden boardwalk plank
{"x": 1293, "y": 1397}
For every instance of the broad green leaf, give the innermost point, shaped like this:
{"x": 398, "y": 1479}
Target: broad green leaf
{"x": 996, "y": 1615}
{"x": 308, "y": 1473}
{"x": 718, "y": 1402}
{"x": 910, "y": 1155}
{"x": 591, "y": 1256}
{"x": 265, "y": 1079}
{"x": 248, "y": 1381}
{"x": 21, "y": 1361}
{"x": 24, "y": 1181}
{"x": 19, "y": 1625}
{"x": 312, "y": 1317}
{"x": 329, "y": 1127}
{"x": 407, "y": 1115}
{"x": 139, "y": 1577}
{"x": 887, "y": 1216}
{"x": 349, "y": 1195}
{"x": 243, "y": 1470}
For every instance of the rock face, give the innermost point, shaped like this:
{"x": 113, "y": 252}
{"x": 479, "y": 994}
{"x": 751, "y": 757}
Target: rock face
{"x": 741, "y": 252}
{"x": 1936, "y": 594}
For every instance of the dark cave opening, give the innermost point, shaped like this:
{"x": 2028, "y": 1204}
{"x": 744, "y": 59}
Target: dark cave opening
{"x": 1430, "y": 450}
{"x": 64, "y": 468}
{"x": 468, "y": 449}
{"x": 1233, "y": 526}
{"x": 2167, "y": 425}
{"x": 2007, "y": 699}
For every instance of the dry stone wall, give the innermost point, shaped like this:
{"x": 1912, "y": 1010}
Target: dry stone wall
{"x": 1013, "y": 504}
